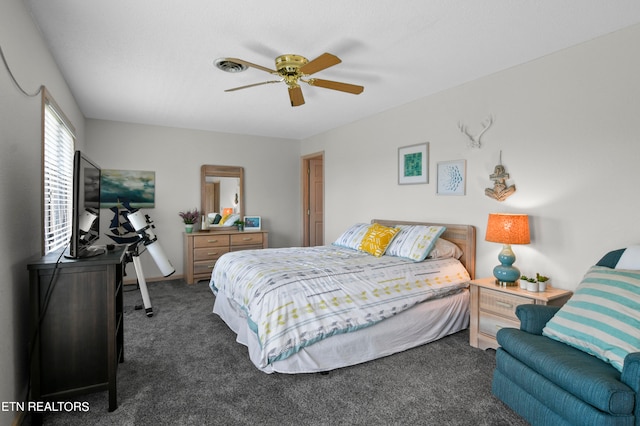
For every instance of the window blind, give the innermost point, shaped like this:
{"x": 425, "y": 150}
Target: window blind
{"x": 58, "y": 179}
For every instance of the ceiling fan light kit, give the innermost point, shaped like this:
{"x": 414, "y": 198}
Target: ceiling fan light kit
{"x": 292, "y": 69}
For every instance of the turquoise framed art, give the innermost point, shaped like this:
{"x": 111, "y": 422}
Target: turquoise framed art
{"x": 413, "y": 164}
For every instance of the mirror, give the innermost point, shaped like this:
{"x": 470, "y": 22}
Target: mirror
{"x": 221, "y": 188}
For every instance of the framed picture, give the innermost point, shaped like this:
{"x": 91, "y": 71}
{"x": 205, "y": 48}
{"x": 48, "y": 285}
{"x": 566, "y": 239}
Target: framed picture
{"x": 252, "y": 223}
{"x": 137, "y": 188}
{"x": 413, "y": 164}
{"x": 452, "y": 177}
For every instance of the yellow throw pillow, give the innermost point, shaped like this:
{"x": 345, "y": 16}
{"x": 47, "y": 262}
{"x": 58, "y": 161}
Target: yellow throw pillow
{"x": 377, "y": 239}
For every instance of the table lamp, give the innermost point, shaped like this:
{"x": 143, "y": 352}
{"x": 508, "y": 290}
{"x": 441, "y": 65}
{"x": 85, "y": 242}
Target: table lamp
{"x": 507, "y": 229}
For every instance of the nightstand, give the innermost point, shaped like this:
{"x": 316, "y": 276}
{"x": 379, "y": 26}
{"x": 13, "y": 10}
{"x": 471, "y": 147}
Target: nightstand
{"x": 494, "y": 307}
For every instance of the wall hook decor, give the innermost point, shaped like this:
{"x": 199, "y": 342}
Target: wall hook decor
{"x": 500, "y": 190}
{"x": 475, "y": 141}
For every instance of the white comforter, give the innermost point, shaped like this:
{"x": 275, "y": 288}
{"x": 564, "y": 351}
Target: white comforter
{"x": 293, "y": 297}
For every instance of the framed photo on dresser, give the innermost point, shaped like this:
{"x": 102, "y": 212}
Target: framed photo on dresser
{"x": 252, "y": 223}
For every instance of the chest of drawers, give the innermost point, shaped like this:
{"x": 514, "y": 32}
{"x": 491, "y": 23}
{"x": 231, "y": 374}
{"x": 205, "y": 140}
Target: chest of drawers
{"x": 202, "y": 249}
{"x": 80, "y": 341}
{"x": 494, "y": 307}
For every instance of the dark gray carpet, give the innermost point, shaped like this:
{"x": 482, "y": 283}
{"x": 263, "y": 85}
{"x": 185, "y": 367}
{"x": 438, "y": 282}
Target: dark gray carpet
{"x": 184, "y": 367}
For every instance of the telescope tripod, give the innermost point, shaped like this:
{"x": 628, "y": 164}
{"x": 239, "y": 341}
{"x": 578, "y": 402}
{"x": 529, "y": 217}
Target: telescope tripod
{"x": 133, "y": 255}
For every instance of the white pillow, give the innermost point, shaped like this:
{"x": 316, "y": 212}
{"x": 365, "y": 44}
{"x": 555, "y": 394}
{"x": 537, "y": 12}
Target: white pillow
{"x": 352, "y": 237}
{"x": 630, "y": 259}
{"x": 414, "y": 242}
{"x": 445, "y": 249}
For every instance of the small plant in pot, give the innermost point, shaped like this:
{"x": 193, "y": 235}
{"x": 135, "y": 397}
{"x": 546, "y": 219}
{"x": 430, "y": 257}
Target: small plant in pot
{"x": 542, "y": 282}
{"x": 239, "y": 224}
{"x": 190, "y": 217}
{"x": 539, "y": 283}
{"x": 527, "y": 283}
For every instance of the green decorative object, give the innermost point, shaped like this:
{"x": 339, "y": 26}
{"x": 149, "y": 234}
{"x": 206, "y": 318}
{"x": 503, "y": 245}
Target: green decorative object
{"x": 413, "y": 164}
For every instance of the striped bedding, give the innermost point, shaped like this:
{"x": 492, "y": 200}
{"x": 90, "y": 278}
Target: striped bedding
{"x": 294, "y": 297}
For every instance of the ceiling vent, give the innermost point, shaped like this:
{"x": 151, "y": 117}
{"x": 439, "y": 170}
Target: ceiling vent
{"x": 229, "y": 66}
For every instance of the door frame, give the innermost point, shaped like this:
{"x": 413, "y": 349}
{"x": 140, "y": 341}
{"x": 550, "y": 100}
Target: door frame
{"x": 306, "y": 205}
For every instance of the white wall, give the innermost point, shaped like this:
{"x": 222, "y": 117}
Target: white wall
{"x": 567, "y": 126}
{"x": 271, "y": 177}
{"x": 20, "y": 182}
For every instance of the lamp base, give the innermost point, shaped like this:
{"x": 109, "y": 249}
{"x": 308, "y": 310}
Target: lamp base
{"x": 506, "y": 273}
{"x": 506, "y": 283}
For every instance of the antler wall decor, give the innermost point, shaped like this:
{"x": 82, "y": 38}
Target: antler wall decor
{"x": 475, "y": 140}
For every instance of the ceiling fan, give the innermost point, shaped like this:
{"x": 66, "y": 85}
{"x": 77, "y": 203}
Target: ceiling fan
{"x": 293, "y": 69}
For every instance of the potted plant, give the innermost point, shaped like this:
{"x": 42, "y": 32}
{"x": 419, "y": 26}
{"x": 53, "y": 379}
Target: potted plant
{"x": 530, "y": 284}
{"x": 542, "y": 282}
{"x": 539, "y": 283}
{"x": 240, "y": 224}
{"x": 189, "y": 218}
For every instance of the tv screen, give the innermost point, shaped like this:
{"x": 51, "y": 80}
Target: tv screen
{"x": 85, "y": 229}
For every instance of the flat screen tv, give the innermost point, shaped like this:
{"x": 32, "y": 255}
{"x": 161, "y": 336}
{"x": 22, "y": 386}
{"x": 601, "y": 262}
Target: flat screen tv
{"x": 85, "y": 220}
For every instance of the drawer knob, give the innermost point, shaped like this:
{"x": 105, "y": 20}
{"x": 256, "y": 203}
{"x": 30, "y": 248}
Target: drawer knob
{"x": 247, "y": 239}
{"x": 212, "y": 253}
{"x": 212, "y": 241}
{"x": 504, "y": 305}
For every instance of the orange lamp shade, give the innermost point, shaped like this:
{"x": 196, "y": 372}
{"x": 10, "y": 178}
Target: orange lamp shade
{"x": 227, "y": 211}
{"x": 508, "y": 228}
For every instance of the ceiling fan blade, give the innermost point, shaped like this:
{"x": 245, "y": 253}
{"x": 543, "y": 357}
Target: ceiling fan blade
{"x": 320, "y": 63}
{"x": 336, "y": 85}
{"x": 252, "y": 65}
{"x": 253, "y": 85}
{"x": 295, "y": 95}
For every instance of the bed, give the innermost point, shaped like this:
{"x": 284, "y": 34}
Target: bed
{"x": 315, "y": 309}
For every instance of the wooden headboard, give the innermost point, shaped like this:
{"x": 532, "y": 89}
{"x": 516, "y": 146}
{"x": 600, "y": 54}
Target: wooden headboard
{"x": 464, "y": 236}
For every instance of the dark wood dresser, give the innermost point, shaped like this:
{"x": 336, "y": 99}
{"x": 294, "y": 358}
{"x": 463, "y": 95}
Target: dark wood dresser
{"x": 76, "y": 316}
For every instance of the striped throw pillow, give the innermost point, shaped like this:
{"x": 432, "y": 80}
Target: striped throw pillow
{"x": 352, "y": 237}
{"x": 602, "y": 318}
{"x": 414, "y": 242}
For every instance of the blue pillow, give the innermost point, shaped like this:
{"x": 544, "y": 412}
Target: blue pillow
{"x": 626, "y": 258}
{"x": 610, "y": 260}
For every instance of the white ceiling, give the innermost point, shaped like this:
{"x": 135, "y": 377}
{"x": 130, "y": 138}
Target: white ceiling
{"x": 151, "y": 61}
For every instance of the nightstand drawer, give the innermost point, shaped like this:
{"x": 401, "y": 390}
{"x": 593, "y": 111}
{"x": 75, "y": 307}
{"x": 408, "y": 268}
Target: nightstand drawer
{"x": 490, "y": 324}
{"x": 493, "y": 307}
{"x": 209, "y": 253}
{"x": 501, "y": 303}
{"x": 246, "y": 239}
{"x": 212, "y": 240}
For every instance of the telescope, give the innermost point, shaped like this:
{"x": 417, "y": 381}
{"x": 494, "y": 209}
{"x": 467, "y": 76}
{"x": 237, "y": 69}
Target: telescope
{"x": 143, "y": 225}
